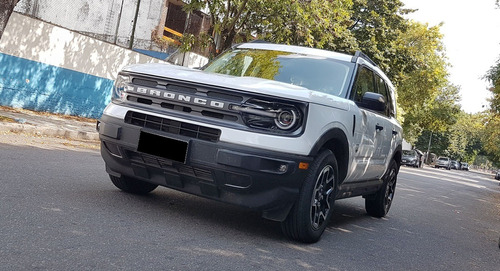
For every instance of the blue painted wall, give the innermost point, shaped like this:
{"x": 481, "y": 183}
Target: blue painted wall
{"x": 41, "y": 87}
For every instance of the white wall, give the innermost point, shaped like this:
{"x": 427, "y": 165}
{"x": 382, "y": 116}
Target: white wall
{"x": 35, "y": 40}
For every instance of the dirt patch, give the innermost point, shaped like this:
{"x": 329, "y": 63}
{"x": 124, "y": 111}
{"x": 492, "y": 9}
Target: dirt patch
{"x": 6, "y": 119}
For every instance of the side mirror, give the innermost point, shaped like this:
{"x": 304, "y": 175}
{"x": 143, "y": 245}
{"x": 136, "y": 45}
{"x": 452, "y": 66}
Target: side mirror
{"x": 373, "y": 101}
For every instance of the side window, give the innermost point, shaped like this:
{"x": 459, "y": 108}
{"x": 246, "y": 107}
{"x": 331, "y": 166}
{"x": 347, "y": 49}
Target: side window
{"x": 364, "y": 83}
{"x": 393, "y": 102}
{"x": 383, "y": 90}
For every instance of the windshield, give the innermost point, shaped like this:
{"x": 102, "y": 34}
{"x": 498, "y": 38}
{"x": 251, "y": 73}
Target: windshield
{"x": 312, "y": 72}
{"x": 408, "y": 153}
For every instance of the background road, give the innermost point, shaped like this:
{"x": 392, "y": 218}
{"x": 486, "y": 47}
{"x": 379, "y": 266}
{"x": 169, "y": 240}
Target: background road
{"x": 59, "y": 211}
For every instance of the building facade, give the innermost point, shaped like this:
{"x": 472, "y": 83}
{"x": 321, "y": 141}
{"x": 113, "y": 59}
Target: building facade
{"x": 134, "y": 24}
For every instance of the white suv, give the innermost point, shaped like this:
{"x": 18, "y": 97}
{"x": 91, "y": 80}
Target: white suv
{"x": 284, "y": 130}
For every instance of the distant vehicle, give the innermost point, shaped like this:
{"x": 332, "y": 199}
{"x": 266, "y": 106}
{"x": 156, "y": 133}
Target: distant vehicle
{"x": 465, "y": 166}
{"x": 443, "y": 162}
{"x": 497, "y": 176}
{"x": 410, "y": 158}
{"x": 454, "y": 164}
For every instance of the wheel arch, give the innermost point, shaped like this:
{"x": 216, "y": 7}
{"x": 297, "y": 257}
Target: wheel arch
{"x": 398, "y": 154}
{"x": 336, "y": 141}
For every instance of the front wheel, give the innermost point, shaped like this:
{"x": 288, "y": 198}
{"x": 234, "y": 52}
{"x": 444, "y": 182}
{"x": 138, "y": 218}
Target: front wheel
{"x": 131, "y": 185}
{"x": 310, "y": 214}
{"x": 378, "y": 205}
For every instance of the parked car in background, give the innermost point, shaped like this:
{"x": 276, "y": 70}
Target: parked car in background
{"x": 465, "y": 166}
{"x": 443, "y": 162}
{"x": 410, "y": 158}
{"x": 454, "y": 164}
{"x": 497, "y": 176}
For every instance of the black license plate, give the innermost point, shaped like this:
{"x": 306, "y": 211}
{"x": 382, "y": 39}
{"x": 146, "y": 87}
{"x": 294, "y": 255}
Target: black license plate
{"x": 163, "y": 147}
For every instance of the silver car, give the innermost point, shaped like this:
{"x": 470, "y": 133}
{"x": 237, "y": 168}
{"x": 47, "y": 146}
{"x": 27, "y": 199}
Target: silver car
{"x": 443, "y": 162}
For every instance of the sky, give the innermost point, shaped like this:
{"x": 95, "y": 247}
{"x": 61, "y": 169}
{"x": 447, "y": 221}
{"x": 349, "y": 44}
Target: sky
{"x": 471, "y": 32}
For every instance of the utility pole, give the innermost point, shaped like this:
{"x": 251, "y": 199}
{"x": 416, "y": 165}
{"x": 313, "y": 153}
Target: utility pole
{"x": 118, "y": 23}
{"x": 428, "y": 149}
{"x": 135, "y": 24}
{"x": 6, "y": 8}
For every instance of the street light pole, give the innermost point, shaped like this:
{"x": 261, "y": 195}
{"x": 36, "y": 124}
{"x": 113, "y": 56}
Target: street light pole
{"x": 429, "y": 149}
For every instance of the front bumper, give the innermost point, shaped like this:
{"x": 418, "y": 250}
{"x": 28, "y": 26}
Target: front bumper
{"x": 263, "y": 180}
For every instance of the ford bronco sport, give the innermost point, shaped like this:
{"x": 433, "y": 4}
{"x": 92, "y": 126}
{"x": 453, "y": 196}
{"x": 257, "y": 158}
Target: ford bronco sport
{"x": 284, "y": 130}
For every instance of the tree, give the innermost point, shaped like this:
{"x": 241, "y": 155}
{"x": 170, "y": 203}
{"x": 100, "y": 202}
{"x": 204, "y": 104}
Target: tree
{"x": 439, "y": 142}
{"x": 377, "y": 25}
{"x": 6, "y": 8}
{"x": 312, "y": 23}
{"x": 465, "y": 137}
{"x": 491, "y": 138}
{"x": 228, "y": 19}
{"x": 422, "y": 78}
{"x": 493, "y": 77}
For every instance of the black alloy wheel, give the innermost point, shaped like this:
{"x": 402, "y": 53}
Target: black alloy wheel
{"x": 378, "y": 205}
{"x": 311, "y": 212}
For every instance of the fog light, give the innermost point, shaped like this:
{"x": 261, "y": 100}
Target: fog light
{"x": 283, "y": 168}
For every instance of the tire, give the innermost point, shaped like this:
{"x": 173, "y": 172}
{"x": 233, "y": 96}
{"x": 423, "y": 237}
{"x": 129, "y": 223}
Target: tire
{"x": 378, "y": 205}
{"x": 131, "y": 185}
{"x": 311, "y": 212}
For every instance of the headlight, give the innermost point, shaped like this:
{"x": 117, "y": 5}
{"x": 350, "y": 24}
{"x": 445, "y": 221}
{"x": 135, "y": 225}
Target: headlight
{"x": 286, "y": 119}
{"x": 120, "y": 87}
{"x": 273, "y": 116}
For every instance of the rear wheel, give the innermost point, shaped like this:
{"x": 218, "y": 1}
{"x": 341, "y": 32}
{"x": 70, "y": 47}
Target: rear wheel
{"x": 131, "y": 185}
{"x": 309, "y": 217}
{"x": 378, "y": 205}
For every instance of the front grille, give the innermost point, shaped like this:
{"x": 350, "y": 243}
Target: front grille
{"x": 167, "y": 165}
{"x": 172, "y": 126}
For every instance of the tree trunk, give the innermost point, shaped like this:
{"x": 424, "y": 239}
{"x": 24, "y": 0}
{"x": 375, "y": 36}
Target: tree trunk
{"x": 6, "y": 8}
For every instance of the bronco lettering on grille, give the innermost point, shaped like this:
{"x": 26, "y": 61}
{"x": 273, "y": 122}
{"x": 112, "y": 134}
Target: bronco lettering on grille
{"x": 178, "y": 97}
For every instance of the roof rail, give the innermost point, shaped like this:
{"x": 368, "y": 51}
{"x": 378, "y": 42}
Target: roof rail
{"x": 359, "y": 54}
{"x": 258, "y": 41}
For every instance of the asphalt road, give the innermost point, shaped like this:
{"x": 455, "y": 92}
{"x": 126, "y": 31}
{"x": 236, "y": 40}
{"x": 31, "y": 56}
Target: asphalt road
{"x": 59, "y": 211}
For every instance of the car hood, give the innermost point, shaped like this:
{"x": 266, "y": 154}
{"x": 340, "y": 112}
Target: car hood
{"x": 248, "y": 84}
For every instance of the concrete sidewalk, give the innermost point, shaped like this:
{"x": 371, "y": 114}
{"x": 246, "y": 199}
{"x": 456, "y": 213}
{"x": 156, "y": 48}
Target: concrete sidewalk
{"x": 47, "y": 124}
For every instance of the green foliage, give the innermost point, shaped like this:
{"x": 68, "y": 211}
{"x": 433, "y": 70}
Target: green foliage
{"x": 315, "y": 23}
{"x": 422, "y": 78}
{"x": 493, "y": 77}
{"x": 461, "y": 142}
{"x": 439, "y": 143}
{"x": 491, "y": 138}
{"x": 465, "y": 137}
{"x": 377, "y": 25}
{"x": 228, "y": 22}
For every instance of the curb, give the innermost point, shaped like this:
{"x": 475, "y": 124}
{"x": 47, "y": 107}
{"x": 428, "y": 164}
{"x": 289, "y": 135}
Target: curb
{"x": 48, "y": 131}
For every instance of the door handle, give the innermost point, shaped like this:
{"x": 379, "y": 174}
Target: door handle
{"x": 379, "y": 128}
{"x": 394, "y": 132}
